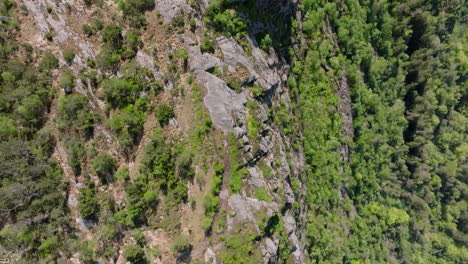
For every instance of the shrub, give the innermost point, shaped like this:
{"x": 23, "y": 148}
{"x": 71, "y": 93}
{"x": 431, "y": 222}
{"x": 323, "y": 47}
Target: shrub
{"x": 49, "y": 245}
{"x": 240, "y": 248}
{"x": 88, "y": 30}
{"x": 91, "y": 63}
{"x": 206, "y": 223}
{"x": 88, "y": 206}
{"x": 182, "y": 54}
{"x": 68, "y": 55}
{"x": 122, "y": 174}
{"x": 210, "y": 203}
{"x": 113, "y": 35}
{"x": 183, "y": 166}
{"x": 234, "y": 83}
{"x": 67, "y": 81}
{"x": 97, "y": 25}
{"x": 117, "y": 92}
{"x": 49, "y": 36}
{"x": 257, "y": 91}
{"x": 262, "y": 194}
{"x": 207, "y": 45}
{"x": 164, "y": 113}
{"x": 220, "y": 225}
{"x": 7, "y": 127}
{"x": 178, "y": 23}
{"x": 134, "y": 254}
{"x": 104, "y": 166}
{"x": 76, "y": 151}
{"x": 230, "y": 23}
{"x": 181, "y": 244}
{"x": 139, "y": 237}
{"x": 150, "y": 196}
{"x": 132, "y": 7}
{"x": 107, "y": 57}
{"x": 128, "y": 125}
{"x": 266, "y": 43}
{"x": 49, "y": 62}
{"x": 74, "y": 113}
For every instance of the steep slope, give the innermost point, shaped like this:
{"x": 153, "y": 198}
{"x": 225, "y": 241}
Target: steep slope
{"x": 225, "y": 131}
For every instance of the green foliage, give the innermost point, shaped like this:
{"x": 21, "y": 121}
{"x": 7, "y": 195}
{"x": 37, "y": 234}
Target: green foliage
{"x": 210, "y": 203}
{"x": 49, "y": 62}
{"x": 206, "y": 223}
{"x": 182, "y": 54}
{"x": 159, "y": 167}
{"x": 48, "y": 246}
{"x": 223, "y": 20}
{"x": 67, "y": 81}
{"x": 240, "y": 248}
{"x": 257, "y": 91}
{"x": 150, "y": 196}
{"x": 117, "y": 92}
{"x": 181, "y": 244}
{"x": 88, "y": 206}
{"x": 49, "y": 36}
{"x": 385, "y": 57}
{"x": 104, "y": 166}
{"x": 133, "y": 10}
{"x": 7, "y": 127}
{"x": 266, "y": 44}
{"x": 207, "y": 45}
{"x": 113, "y": 35}
{"x": 233, "y": 83}
{"x": 134, "y": 254}
{"x": 122, "y": 174}
{"x": 76, "y": 152}
{"x": 74, "y": 114}
{"x": 217, "y": 179}
{"x": 107, "y": 58}
{"x": 266, "y": 169}
{"x": 31, "y": 188}
{"x": 163, "y": 113}
{"x": 33, "y": 209}
{"x": 237, "y": 172}
{"x": 253, "y": 124}
{"x": 68, "y": 55}
{"x": 128, "y": 126}
{"x": 262, "y": 194}
{"x": 139, "y": 237}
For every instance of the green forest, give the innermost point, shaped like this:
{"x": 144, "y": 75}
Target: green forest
{"x": 117, "y": 157}
{"x": 402, "y": 186}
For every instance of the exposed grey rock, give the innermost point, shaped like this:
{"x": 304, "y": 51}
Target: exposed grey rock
{"x": 245, "y": 207}
{"x": 255, "y": 178}
{"x": 269, "y": 250}
{"x": 62, "y": 32}
{"x": 210, "y": 256}
{"x": 145, "y": 61}
{"x": 170, "y": 8}
{"x": 82, "y": 224}
{"x": 173, "y": 123}
{"x": 239, "y": 132}
{"x": 222, "y": 102}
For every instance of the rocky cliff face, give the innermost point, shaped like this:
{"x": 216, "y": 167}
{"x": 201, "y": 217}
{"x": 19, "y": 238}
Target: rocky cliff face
{"x": 269, "y": 159}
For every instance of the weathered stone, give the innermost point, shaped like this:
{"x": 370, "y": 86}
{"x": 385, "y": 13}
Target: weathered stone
{"x": 210, "y": 256}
